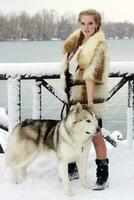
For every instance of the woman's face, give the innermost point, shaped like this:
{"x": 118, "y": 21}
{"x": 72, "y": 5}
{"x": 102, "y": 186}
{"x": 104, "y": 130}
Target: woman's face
{"x": 87, "y": 25}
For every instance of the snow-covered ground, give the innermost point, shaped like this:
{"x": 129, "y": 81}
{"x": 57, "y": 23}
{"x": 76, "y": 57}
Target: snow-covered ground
{"x": 43, "y": 182}
{"x": 3, "y": 117}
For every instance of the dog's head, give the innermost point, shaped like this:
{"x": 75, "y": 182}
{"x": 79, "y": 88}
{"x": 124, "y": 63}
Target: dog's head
{"x": 82, "y": 118}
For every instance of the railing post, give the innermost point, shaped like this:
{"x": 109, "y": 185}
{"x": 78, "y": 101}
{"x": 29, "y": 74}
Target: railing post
{"x": 37, "y": 100}
{"x": 130, "y": 113}
{"x": 14, "y": 102}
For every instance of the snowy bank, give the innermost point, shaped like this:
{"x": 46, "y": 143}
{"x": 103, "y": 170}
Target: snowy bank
{"x": 43, "y": 181}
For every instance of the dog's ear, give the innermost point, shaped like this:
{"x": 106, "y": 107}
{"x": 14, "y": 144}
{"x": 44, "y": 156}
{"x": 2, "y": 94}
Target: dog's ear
{"x": 77, "y": 107}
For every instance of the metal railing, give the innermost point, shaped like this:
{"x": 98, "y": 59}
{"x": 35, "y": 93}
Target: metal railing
{"x": 48, "y": 71}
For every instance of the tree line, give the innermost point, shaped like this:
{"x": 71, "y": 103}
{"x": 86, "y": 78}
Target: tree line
{"x": 48, "y": 25}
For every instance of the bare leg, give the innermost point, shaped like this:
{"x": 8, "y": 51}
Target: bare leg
{"x": 100, "y": 147}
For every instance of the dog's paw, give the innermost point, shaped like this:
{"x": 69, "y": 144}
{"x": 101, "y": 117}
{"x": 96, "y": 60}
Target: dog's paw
{"x": 86, "y": 185}
{"x": 69, "y": 193}
{"x": 16, "y": 181}
{"x": 19, "y": 180}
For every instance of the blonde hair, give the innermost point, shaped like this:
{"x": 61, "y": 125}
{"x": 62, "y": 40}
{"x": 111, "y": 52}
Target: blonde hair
{"x": 94, "y": 13}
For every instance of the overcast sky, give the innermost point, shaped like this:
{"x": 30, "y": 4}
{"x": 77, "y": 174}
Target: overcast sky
{"x": 114, "y": 10}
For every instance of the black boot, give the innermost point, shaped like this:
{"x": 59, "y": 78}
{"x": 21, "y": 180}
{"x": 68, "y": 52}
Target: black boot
{"x": 102, "y": 174}
{"x": 73, "y": 171}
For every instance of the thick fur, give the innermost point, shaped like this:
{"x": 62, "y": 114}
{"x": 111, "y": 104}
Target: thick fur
{"x": 93, "y": 64}
{"x": 70, "y": 140}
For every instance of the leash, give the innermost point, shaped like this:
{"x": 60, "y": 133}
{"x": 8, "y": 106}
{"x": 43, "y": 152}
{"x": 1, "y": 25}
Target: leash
{"x": 62, "y": 111}
{"x": 110, "y": 140}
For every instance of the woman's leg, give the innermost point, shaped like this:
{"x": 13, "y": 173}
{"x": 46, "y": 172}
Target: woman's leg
{"x": 100, "y": 147}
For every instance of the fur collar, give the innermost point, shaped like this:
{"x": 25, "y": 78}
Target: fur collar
{"x": 86, "y": 54}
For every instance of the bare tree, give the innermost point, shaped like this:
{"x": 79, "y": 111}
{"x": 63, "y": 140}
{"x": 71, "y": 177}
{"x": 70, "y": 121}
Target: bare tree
{"x": 65, "y": 25}
{"x": 46, "y": 24}
{"x": 12, "y": 26}
{"x": 24, "y": 25}
{"x": 3, "y": 27}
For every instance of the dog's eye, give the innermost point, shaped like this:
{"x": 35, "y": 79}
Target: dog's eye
{"x": 88, "y": 121}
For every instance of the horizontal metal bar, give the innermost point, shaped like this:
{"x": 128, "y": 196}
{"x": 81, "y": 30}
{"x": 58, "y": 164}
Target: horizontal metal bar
{"x": 57, "y": 76}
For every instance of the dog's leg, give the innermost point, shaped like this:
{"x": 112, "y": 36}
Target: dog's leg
{"x": 13, "y": 176}
{"x": 63, "y": 170}
{"x": 21, "y": 174}
{"x": 18, "y": 174}
{"x": 82, "y": 169}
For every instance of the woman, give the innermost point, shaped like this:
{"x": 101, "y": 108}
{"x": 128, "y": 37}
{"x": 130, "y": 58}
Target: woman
{"x": 85, "y": 80}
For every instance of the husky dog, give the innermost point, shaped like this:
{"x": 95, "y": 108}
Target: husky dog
{"x": 70, "y": 140}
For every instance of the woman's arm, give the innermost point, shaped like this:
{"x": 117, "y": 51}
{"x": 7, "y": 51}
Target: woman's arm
{"x": 90, "y": 87}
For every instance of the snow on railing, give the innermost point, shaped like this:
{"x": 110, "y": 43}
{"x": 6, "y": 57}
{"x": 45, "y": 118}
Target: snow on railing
{"x": 30, "y": 69}
{"x": 40, "y": 69}
{"x": 14, "y": 72}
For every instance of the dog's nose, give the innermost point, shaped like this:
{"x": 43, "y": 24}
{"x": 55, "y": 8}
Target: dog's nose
{"x": 98, "y": 129}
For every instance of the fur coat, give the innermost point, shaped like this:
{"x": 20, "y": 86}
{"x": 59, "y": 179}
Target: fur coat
{"x": 92, "y": 64}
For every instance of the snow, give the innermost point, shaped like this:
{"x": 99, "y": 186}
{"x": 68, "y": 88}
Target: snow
{"x": 130, "y": 125}
{"x": 3, "y": 117}
{"x": 122, "y": 67}
{"x": 43, "y": 180}
{"x": 3, "y": 138}
{"x": 37, "y": 69}
{"x": 51, "y": 68}
{"x": 13, "y": 102}
{"x": 36, "y": 100}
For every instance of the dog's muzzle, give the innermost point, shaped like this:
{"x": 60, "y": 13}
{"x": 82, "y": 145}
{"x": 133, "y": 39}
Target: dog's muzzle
{"x": 98, "y": 129}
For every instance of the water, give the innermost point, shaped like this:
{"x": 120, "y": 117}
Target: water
{"x": 51, "y": 51}
{"x": 36, "y": 51}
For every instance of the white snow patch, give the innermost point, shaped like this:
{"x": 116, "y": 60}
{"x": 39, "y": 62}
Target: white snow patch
{"x": 3, "y": 117}
{"x": 43, "y": 180}
{"x": 52, "y": 68}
